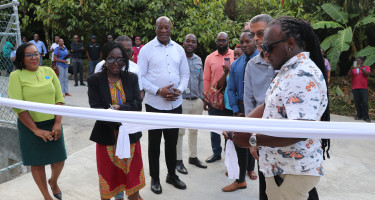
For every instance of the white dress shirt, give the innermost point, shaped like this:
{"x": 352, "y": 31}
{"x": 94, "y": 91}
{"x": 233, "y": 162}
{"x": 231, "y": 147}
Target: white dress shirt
{"x": 52, "y": 49}
{"x": 134, "y": 68}
{"x": 162, "y": 66}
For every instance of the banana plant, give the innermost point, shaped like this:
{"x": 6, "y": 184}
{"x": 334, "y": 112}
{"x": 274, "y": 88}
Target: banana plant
{"x": 344, "y": 38}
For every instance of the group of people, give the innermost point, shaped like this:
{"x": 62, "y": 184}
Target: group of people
{"x": 278, "y": 74}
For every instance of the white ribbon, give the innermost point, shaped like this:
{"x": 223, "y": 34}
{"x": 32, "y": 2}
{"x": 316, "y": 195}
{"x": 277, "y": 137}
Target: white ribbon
{"x": 139, "y": 121}
{"x": 231, "y": 161}
{"x": 123, "y": 143}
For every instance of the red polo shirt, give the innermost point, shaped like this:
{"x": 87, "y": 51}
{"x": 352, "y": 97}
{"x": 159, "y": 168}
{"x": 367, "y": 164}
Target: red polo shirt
{"x": 359, "y": 80}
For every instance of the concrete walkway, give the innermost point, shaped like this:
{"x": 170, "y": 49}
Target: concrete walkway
{"x": 349, "y": 174}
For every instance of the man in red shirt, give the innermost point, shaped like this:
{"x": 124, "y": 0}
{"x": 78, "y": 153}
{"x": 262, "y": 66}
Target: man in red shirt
{"x": 213, "y": 71}
{"x": 137, "y": 48}
{"x": 359, "y": 74}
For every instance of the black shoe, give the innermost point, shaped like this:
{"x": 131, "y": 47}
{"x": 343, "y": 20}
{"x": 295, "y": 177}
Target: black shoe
{"x": 357, "y": 118}
{"x": 176, "y": 182}
{"x": 213, "y": 158}
{"x": 180, "y": 167}
{"x": 82, "y": 84}
{"x": 367, "y": 120}
{"x": 195, "y": 161}
{"x": 76, "y": 84}
{"x": 155, "y": 186}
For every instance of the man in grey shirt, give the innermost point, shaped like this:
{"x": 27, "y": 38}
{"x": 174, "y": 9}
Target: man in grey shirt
{"x": 258, "y": 77}
{"x": 192, "y": 103}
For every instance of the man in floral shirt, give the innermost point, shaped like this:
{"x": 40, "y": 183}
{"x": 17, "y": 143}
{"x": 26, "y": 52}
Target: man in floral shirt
{"x": 292, "y": 166}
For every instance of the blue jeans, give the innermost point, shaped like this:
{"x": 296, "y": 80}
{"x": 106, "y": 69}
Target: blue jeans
{"x": 41, "y": 60}
{"x": 63, "y": 77}
{"x": 92, "y": 65}
{"x": 216, "y": 138}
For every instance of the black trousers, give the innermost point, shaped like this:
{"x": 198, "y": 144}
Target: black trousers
{"x": 170, "y": 143}
{"x": 78, "y": 67}
{"x": 246, "y": 162}
{"x": 361, "y": 102}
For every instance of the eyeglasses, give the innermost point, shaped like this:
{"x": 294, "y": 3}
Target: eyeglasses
{"x": 119, "y": 61}
{"x": 267, "y": 48}
{"x": 259, "y": 34}
{"x": 31, "y": 55}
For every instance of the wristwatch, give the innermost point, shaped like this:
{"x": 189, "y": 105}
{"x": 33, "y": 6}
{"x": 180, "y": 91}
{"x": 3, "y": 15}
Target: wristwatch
{"x": 253, "y": 140}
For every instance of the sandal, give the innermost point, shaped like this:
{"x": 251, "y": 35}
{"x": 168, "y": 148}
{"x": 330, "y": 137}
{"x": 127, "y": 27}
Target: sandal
{"x": 58, "y": 195}
{"x": 252, "y": 175}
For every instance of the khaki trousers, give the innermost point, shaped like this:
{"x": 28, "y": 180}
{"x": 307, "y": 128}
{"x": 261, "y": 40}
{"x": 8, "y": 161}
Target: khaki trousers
{"x": 193, "y": 107}
{"x": 294, "y": 187}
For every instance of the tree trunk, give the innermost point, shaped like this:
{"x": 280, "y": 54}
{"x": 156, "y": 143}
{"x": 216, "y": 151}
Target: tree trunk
{"x": 48, "y": 41}
{"x": 230, "y": 9}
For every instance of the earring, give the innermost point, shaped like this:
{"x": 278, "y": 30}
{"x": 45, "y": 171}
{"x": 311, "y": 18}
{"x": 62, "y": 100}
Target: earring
{"x": 289, "y": 49}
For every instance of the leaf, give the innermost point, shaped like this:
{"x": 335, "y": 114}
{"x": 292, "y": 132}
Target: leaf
{"x": 365, "y": 20}
{"x": 328, "y": 42}
{"x": 369, "y": 50}
{"x": 338, "y": 91}
{"x": 353, "y": 15}
{"x": 333, "y": 56}
{"x": 326, "y": 24}
{"x": 344, "y": 39}
{"x": 369, "y": 60}
{"x": 335, "y": 12}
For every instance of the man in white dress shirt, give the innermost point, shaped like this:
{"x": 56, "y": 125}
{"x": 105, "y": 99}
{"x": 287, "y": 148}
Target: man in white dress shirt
{"x": 165, "y": 73}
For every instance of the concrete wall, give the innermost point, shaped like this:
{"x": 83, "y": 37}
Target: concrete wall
{"x": 10, "y": 154}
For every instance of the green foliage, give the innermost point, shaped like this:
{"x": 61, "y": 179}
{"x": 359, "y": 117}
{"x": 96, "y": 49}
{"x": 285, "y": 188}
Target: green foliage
{"x": 365, "y": 21}
{"x": 326, "y": 24}
{"x": 344, "y": 38}
{"x": 335, "y": 12}
{"x": 342, "y": 25}
{"x": 351, "y": 33}
{"x": 369, "y": 50}
{"x": 136, "y": 18}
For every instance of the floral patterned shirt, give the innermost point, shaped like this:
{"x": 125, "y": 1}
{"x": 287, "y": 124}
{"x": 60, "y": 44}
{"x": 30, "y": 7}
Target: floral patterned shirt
{"x": 298, "y": 92}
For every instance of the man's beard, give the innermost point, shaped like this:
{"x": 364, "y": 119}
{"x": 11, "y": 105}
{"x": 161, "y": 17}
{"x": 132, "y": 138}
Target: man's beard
{"x": 222, "y": 50}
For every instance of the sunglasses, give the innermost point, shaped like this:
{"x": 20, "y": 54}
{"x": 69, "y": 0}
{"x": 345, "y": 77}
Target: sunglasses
{"x": 31, "y": 55}
{"x": 267, "y": 48}
{"x": 119, "y": 61}
{"x": 260, "y": 34}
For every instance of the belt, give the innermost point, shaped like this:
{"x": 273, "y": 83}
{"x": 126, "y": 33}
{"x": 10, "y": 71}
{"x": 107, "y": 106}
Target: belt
{"x": 240, "y": 102}
{"x": 192, "y": 98}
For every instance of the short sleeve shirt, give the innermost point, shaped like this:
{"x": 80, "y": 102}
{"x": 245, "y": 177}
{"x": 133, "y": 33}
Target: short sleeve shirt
{"x": 298, "y": 92}
{"x": 326, "y": 63}
{"x": 61, "y": 53}
{"x": 359, "y": 80}
{"x": 41, "y": 86}
{"x": 7, "y": 49}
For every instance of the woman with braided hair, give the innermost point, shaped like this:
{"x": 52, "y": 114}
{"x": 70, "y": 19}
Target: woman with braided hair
{"x": 292, "y": 166}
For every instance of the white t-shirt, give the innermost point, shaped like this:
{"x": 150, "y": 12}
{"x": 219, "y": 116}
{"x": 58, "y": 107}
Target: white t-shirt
{"x": 132, "y": 68}
{"x": 52, "y": 49}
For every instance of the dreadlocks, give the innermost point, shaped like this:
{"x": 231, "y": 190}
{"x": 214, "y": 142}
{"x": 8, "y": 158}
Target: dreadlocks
{"x": 305, "y": 38}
